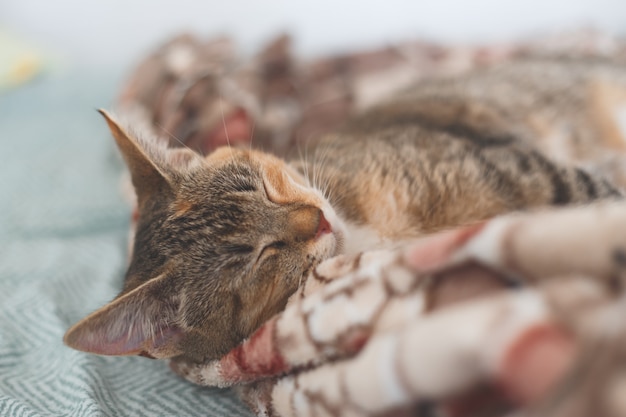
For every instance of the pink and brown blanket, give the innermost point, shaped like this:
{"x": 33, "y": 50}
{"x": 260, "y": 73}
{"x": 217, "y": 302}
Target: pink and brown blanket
{"x": 520, "y": 315}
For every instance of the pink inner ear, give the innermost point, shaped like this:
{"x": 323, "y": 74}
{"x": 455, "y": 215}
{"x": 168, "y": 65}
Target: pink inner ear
{"x": 120, "y": 340}
{"x": 236, "y": 129}
{"x": 137, "y": 342}
{"x": 137, "y": 322}
{"x": 117, "y": 331}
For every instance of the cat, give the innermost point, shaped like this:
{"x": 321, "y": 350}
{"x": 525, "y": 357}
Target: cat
{"x": 222, "y": 242}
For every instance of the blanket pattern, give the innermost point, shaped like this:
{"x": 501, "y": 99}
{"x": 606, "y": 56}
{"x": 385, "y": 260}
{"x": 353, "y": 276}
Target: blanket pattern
{"x": 519, "y": 315}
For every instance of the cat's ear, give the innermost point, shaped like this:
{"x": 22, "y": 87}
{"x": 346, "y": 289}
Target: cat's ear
{"x": 140, "y": 322}
{"x": 147, "y": 177}
{"x": 183, "y": 158}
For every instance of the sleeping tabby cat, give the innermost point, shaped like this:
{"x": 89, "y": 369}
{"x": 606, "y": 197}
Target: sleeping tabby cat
{"x": 223, "y": 241}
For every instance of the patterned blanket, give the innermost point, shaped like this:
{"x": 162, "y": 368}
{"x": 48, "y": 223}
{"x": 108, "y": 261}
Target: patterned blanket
{"x": 520, "y": 314}
{"x": 521, "y": 311}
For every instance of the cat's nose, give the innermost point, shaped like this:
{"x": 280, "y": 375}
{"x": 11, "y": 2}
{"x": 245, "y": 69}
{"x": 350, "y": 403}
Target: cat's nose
{"x": 307, "y": 223}
{"x": 323, "y": 226}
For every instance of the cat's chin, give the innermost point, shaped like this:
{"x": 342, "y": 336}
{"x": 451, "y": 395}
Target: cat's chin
{"x": 327, "y": 246}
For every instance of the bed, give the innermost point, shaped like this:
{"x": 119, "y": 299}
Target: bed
{"x": 63, "y": 236}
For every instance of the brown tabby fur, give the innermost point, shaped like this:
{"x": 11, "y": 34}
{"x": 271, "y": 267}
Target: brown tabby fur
{"x": 222, "y": 242}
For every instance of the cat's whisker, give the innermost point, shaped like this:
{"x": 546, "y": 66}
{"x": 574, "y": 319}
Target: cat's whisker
{"x": 232, "y": 155}
{"x": 326, "y": 190}
{"x": 309, "y": 180}
{"x": 173, "y": 136}
{"x": 224, "y": 122}
{"x": 252, "y": 134}
{"x": 304, "y": 159}
{"x": 319, "y": 168}
{"x": 177, "y": 139}
{"x": 196, "y": 153}
{"x": 313, "y": 177}
{"x": 305, "y": 165}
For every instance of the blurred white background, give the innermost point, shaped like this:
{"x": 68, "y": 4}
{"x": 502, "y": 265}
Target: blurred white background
{"x": 111, "y": 33}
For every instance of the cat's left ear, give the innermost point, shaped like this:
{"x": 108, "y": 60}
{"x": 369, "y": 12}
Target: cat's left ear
{"x": 140, "y": 322}
{"x": 147, "y": 173}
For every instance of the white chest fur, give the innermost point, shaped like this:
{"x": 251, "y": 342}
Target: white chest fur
{"x": 361, "y": 238}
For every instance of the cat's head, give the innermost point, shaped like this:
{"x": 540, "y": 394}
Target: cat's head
{"x": 221, "y": 243}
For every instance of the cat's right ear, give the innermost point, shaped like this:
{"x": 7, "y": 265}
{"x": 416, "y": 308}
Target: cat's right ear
{"x": 140, "y": 322}
{"x": 147, "y": 177}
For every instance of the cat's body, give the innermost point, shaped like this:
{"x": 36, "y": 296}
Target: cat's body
{"x": 452, "y": 151}
{"x": 222, "y": 242}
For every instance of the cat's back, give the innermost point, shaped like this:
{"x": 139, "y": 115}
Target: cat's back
{"x": 452, "y": 150}
{"x": 530, "y": 99}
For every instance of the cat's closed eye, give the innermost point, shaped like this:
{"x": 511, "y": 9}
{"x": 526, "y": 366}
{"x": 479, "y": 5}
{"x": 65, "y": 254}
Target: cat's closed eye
{"x": 239, "y": 249}
{"x": 270, "y": 249}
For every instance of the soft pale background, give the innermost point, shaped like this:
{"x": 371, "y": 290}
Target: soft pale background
{"x": 62, "y": 222}
{"x": 111, "y": 33}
